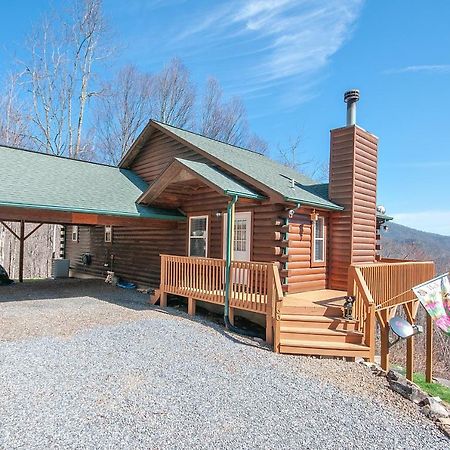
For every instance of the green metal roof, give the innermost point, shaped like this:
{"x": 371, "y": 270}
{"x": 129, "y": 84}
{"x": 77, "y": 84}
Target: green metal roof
{"x": 226, "y": 183}
{"x": 384, "y": 217}
{"x": 37, "y": 180}
{"x": 274, "y": 175}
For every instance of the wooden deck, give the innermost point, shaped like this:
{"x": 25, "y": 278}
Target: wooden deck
{"x": 320, "y": 298}
{"x": 308, "y": 323}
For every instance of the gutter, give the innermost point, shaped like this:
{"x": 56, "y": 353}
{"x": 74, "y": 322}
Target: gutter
{"x": 315, "y": 205}
{"x": 240, "y": 194}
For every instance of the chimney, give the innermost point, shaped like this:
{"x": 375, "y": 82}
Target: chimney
{"x": 351, "y": 97}
{"x": 353, "y": 185}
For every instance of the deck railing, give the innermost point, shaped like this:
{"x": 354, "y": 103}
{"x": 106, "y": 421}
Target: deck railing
{"x": 253, "y": 284}
{"x": 381, "y": 286}
{"x": 390, "y": 283}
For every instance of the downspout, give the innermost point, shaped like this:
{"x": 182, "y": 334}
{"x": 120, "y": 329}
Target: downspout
{"x": 228, "y": 258}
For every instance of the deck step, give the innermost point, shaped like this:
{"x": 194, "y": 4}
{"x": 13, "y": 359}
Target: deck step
{"x": 323, "y": 348}
{"x": 301, "y": 333}
{"x": 318, "y": 310}
{"x": 335, "y": 323}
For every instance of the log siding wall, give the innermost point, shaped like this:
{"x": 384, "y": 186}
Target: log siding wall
{"x": 302, "y": 274}
{"x": 136, "y": 251}
{"x": 158, "y": 154}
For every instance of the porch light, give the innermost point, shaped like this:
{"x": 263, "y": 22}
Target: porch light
{"x": 219, "y": 214}
{"x": 314, "y": 216}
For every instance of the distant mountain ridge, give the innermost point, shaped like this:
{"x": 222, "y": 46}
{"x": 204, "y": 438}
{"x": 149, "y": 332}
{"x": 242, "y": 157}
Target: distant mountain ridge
{"x": 403, "y": 242}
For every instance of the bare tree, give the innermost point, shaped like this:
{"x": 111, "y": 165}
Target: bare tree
{"x": 58, "y": 76}
{"x": 173, "y": 95}
{"x": 257, "y": 144}
{"x": 289, "y": 154}
{"x": 122, "y": 112}
{"x": 292, "y": 156}
{"x": 13, "y": 121}
{"x": 224, "y": 121}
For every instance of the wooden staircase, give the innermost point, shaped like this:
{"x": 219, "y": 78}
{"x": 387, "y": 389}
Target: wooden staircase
{"x": 312, "y": 323}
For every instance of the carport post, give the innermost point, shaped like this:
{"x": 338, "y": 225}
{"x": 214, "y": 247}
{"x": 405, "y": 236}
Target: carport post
{"x": 21, "y": 249}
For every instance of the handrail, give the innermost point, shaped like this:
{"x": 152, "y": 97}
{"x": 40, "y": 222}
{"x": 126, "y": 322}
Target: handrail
{"x": 380, "y": 286}
{"x": 390, "y": 284}
{"x": 363, "y": 308}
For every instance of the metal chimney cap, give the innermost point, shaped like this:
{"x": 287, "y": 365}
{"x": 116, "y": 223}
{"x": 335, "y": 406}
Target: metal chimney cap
{"x": 351, "y": 96}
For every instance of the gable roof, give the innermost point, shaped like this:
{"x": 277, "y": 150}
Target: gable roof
{"x": 271, "y": 174}
{"x": 37, "y": 180}
{"x": 211, "y": 176}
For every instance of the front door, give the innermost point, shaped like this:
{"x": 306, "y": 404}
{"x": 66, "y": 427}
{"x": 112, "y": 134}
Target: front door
{"x": 241, "y": 244}
{"x": 242, "y": 236}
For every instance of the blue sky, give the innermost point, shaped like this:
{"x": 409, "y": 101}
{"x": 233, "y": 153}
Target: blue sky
{"x": 291, "y": 61}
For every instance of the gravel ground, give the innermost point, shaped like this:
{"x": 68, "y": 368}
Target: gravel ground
{"x": 89, "y": 366}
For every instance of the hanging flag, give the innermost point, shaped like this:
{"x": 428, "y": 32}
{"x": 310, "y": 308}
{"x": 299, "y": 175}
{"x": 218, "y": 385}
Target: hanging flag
{"x": 434, "y": 295}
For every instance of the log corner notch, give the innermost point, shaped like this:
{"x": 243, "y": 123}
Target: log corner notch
{"x": 22, "y": 237}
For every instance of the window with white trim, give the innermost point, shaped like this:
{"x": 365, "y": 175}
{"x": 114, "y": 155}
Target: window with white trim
{"x": 198, "y": 236}
{"x": 75, "y": 233}
{"x": 319, "y": 240}
{"x": 108, "y": 233}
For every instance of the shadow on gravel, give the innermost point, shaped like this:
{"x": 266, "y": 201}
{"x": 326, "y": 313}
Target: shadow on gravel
{"x": 177, "y": 306}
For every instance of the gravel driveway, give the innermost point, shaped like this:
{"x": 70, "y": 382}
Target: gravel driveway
{"x": 84, "y": 365}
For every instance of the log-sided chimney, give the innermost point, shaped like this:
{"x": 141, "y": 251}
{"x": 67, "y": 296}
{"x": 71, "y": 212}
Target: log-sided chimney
{"x": 353, "y": 185}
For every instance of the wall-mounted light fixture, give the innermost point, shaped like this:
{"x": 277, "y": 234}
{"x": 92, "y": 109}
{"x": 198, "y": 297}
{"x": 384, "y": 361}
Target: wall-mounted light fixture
{"x": 314, "y": 216}
{"x": 218, "y": 214}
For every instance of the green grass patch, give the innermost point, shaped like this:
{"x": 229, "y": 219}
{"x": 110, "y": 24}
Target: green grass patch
{"x": 433, "y": 389}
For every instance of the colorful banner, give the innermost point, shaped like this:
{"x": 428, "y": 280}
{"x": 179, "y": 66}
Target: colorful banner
{"x": 435, "y": 298}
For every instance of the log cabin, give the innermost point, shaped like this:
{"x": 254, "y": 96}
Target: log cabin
{"x": 191, "y": 216}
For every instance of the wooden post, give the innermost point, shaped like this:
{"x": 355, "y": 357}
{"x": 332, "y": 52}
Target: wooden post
{"x": 191, "y": 306}
{"x": 21, "y": 249}
{"x": 269, "y": 328}
{"x": 409, "y": 345}
{"x": 384, "y": 328}
{"x": 429, "y": 351}
{"x": 231, "y": 315}
{"x": 162, "y": 281}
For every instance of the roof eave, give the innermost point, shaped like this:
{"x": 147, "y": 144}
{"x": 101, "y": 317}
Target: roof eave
{"x": 175, "y": 217}
{"x": 330, "y": 207}
{"x": 244, "y": 195}
{"x": 134, "y": 150}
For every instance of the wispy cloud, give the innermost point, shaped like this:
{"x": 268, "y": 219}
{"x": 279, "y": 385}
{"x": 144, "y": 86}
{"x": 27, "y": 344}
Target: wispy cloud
{"x": 283, "y": 41}
{"x": 425, "y": 68}
{"x": 432, "y": 221}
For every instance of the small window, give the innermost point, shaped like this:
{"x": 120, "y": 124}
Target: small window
{"x": 318, "y": 244}
{"x": 108, "y": 233}
{"x": 198, "y": 236}
{"x": 75, "y": 233}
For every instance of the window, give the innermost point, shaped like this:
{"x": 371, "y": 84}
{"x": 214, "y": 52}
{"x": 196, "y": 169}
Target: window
{"x": 108, "y": 233}
{"x": 240, "y": 235}
{"x": 318, "y": 242}
{"x": 198, "y": 236}
{"x": 75, "y": 233}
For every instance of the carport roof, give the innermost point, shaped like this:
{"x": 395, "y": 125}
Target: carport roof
{"x": 37, "y": 180}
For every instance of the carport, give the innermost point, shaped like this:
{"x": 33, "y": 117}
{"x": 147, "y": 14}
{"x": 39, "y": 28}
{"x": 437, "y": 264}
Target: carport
{"x": 38, "y": 188}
